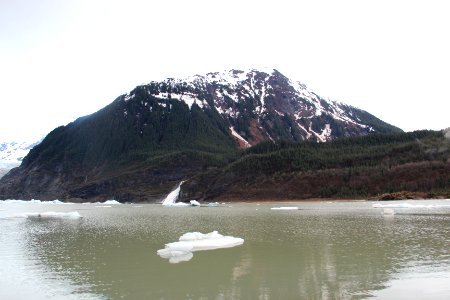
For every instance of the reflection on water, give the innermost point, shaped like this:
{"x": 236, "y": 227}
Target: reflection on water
{"x": 322, "y": 251}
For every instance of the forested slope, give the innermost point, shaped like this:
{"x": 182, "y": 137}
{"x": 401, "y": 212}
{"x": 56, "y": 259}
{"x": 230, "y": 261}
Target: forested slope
{"x": 357, "y": 167}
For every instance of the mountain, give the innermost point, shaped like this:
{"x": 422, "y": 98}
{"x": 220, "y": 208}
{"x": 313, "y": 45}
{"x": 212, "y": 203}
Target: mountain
{"x": 139, "y": 146}
{"x": 12, "y": 153}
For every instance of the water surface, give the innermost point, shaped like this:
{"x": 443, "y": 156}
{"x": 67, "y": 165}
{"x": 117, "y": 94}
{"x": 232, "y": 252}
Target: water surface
{"x": 341, "y": 250}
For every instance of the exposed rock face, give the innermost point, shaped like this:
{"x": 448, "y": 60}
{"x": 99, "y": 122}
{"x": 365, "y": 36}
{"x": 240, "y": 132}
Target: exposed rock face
{"x": 138, "y": 147}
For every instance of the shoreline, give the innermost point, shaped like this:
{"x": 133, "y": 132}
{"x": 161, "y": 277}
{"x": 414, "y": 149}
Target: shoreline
{"x": 381, "y": 198}
{"x": 290, "y": 201}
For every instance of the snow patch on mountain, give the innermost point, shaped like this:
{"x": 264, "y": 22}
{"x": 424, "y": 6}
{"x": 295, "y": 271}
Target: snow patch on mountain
{"x": 230, "y": 77}
{"x": 326, "y": 133}
{"x": 187, "y": 98}
{"x": 242, "y": 142}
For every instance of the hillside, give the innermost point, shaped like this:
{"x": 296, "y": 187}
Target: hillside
{"x": 348, "y": 168}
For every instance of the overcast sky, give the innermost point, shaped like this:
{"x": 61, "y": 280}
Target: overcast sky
{"x": 63, "y": 59}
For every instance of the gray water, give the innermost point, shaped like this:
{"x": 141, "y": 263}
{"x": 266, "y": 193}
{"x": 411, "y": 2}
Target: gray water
{"x": 341, "y": 250}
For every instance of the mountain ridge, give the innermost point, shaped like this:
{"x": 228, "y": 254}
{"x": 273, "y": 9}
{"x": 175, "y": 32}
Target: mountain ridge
{"x": 269, "y": 103}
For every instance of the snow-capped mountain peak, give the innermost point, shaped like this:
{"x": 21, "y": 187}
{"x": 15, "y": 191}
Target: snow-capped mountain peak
{"x": 260, "y": 105}
{"x": 15, "y": 151}
{"x": 12, "y": 153}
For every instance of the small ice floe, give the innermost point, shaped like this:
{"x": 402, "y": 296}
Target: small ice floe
{"x": 10, "y": 201}
{"x": 57, "y": 202}
{"x": 213, "y": 204}
{"x": 285, "y": 208}
{"x": 388, "y": 211}
{"x": 408, "y": 205}
{"x": 177, "y": 204}
{"x": 194, "y": 203}
{"x": 33, "y": 201}
{"x": 49, "y": 215}
{"x": 106, "y": 204}
{"x": 196, "y": 241}
{"x": 111, "y": 202}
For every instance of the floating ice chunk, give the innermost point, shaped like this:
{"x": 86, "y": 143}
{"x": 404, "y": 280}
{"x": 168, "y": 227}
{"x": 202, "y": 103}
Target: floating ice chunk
{"x": 58, "y": 202}
{"x": 196, "y": 241}
{"x": 285, "y": 208}
{"x": 177, "y": 204}
{"x": 33, "y": 201}
{"x": 408, "y": 205}
{"x": 175, "y": 256}
{"x": 214, "y": 204}
{"x": 12, "y": 201}
{"x": 194, "y": 203}
{"x": 111, "y": 202}
{"x": 49, "y": 215}
{"x": 388, "y": 211}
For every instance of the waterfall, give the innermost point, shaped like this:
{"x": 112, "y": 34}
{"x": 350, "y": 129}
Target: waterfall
{"x": 173, "y": 196}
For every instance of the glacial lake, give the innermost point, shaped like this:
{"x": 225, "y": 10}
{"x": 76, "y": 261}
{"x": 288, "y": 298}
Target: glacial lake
{"x": 324, "y": 250}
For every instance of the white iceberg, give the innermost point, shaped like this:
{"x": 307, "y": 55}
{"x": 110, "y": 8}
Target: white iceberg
{"x": 33, "y": 201}
{"x": 58, "y": 202}
{"x": 177, "y": 204}
{"x": 285, "y": 208}
{"x": 111, "y": 202}
{"x": 12, "y": 201}
{"x": 194, "y": 203}
{"x": 408, "y": 205}
{"x": 196, "y": 241}
{"x": 176, "y": 256}
{"x": 107, "y": 203}
{"x": 49, "y": 215}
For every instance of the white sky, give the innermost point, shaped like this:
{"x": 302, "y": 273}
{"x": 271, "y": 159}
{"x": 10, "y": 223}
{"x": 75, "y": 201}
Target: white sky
{"x": 63, "y": 59}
